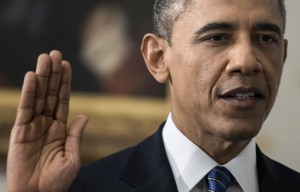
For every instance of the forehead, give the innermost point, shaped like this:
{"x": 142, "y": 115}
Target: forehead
{"x": 246, "y": 12}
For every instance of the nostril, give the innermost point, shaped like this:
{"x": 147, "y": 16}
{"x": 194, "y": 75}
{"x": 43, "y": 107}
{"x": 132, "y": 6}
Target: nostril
{"x": 245, "y": 71}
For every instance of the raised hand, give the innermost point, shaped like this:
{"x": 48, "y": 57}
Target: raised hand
{"x": 43, "y": 152}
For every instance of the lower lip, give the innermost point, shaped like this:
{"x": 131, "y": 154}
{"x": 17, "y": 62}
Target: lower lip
{"x": 242, "y": 103}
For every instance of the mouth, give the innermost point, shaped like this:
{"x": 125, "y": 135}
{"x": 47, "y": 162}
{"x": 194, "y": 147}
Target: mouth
{"x": 243, "y": 94}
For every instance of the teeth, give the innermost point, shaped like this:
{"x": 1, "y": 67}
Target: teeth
{"x": 243, "y": 95}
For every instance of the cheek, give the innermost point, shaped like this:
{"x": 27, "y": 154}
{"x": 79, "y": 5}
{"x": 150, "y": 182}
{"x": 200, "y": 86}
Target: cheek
{"x": 195, "y": 73}
{"x": 209, "y": 73}
{"x": 273, "y": 62}
{"x": 272, "y": 74}
{"x": 273, "y": 71}
{"x": 204, "y": 82}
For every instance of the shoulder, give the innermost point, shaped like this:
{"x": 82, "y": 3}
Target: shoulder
{"x": 274, "y": 174}
{"x": 105, "y": 171}
{"x": 110, "y": 164}
{"x": 123, "y": 170}
{"x": 280, "y": 171}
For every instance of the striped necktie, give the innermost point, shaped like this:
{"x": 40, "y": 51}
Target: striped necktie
{"x": 219, "y": 179}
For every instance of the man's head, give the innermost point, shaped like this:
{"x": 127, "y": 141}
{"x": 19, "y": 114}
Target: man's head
{"x": 223, "y": 64}
{"x": 166, "y": 13}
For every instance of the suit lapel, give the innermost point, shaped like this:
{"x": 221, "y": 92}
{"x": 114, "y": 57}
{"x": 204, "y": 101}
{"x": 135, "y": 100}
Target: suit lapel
{"x": 148, "y": 168}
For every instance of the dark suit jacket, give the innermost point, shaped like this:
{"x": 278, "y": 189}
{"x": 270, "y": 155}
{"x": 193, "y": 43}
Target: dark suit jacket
{"x": 145, "y": 167}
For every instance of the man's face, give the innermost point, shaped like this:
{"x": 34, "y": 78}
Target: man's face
{"x": 225, "y": 64}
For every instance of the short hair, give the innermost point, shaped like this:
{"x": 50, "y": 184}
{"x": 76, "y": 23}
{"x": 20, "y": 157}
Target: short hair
{"x": 167, "y": 12}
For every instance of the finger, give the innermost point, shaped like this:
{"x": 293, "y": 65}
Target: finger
{"x": 43, "y": 69}
{"x": 53, "y": 83}
{"x": 62, "y": 108}
{"x": 74, "y": 136}
{"x": 26, "y": 104}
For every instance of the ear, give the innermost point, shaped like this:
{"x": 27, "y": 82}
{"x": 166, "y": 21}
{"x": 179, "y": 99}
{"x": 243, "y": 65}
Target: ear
{"x": 153, "y": 49}
{"x": 285, "y": 49}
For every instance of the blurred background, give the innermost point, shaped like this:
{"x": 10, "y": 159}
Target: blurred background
{"x": 100, "y": 38}
{"x": 111, "y": 84}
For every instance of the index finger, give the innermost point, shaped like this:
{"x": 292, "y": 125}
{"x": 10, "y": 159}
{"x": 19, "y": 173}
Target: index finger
{"x": 26, "y": 103}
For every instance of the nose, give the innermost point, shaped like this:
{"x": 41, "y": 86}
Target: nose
{"x": 243, "y": 60}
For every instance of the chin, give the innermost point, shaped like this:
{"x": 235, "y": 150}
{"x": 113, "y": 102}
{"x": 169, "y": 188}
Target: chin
{"x": 239, "y": 133}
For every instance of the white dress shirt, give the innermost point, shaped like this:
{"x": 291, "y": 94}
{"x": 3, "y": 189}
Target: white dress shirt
{"x": 190, "y": 164}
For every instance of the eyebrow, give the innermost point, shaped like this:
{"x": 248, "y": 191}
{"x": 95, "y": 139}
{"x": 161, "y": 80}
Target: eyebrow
{"x": 215, "y": 26}
{"x": 264, "y": 26}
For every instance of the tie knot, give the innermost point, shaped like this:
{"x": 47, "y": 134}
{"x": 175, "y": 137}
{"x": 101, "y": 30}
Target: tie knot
{"x": 219, "y": 179}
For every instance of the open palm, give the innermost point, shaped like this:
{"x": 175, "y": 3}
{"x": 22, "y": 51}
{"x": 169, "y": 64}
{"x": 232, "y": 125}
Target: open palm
{"x": 43, "y": 152}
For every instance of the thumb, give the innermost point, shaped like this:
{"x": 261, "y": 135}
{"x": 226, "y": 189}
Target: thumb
{"x": 74, "y": 136}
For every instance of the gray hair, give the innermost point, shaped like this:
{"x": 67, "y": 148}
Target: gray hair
{"x": 167, "y": 12}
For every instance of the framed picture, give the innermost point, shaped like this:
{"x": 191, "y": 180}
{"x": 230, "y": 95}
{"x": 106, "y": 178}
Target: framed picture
{"x": 110, "y": 84}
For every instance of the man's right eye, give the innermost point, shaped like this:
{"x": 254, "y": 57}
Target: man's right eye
{"x": 217, "y": 38}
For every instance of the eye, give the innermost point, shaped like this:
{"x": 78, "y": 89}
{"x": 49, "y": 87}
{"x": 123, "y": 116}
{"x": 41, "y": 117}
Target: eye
{"x": 214, "y": 39}
{"x": 219, "y": 37}
{"x": 266, "y": 38}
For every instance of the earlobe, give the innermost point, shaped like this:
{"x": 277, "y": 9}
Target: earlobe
{"x": 154, "y": 55}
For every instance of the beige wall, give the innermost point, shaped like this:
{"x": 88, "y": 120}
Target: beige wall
{"x": 280, "y": 137}
{"x": 2, "y": 175}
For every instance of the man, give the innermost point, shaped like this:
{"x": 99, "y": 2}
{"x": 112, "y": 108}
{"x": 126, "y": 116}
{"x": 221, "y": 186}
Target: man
{"x": 223, "y": 60}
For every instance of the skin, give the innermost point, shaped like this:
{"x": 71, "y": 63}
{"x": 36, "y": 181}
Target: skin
{"x": 202, "y": 67}
{"x": 43, "y": 153}
{"x": 204, "y": 64}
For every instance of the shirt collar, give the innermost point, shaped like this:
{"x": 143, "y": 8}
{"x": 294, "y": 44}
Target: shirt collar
{"x": 190, "y": 164}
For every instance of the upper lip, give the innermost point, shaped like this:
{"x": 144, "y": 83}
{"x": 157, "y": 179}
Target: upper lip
{"x": 253, "y": 91}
